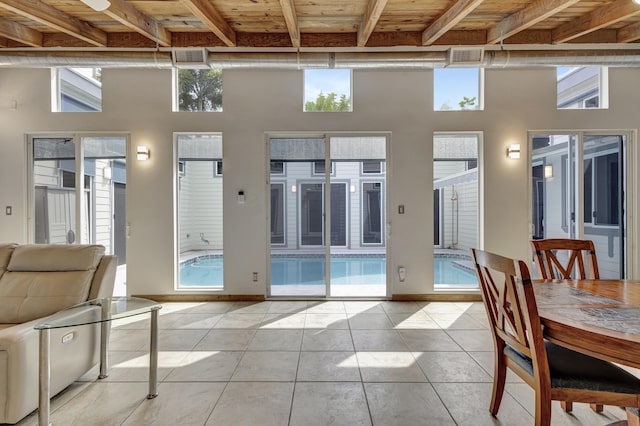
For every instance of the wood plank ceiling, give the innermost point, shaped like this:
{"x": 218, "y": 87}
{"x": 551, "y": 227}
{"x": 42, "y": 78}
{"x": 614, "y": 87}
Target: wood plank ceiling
{"x": 315, "y": 23}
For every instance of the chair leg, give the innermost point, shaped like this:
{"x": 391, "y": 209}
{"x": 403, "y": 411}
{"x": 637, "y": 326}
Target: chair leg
{"x": 567, "y": 406}
{"x": 543, "y": 410}
{"x": 499, "y": 379}
{"x": 632, "y": 417}
{"x": 598, "y": 408}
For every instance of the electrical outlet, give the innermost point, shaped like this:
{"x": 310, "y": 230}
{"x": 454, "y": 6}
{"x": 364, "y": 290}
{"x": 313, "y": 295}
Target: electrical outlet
{"x": 402, "y": 273}
{"x": 255, "y": 277}
{"x": 8, "y": 210}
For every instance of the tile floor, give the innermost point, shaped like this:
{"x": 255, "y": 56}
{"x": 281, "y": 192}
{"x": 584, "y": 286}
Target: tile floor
{"x": 306, "y": 363}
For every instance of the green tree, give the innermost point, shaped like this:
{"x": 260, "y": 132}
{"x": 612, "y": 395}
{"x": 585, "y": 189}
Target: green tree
{"x": 329, "y": 102}
{"x": 468, "y": 103}
{"x": 200, "y": 90}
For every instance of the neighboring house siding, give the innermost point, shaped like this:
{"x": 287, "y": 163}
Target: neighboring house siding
{"x": 460, "y": 216}
{"x": 200, "y": 207}
{"x": 103, "y": 206}
{"x": 345, "y": 173}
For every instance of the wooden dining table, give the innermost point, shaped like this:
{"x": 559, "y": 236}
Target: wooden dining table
{"x": 600, "y": 318}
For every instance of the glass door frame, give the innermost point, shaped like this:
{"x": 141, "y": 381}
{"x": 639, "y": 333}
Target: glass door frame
{"x": 575, "y": 189}
{"x": 327, "y": 204}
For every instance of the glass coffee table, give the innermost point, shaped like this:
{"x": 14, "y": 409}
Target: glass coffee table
{"x": 97, "y": 311}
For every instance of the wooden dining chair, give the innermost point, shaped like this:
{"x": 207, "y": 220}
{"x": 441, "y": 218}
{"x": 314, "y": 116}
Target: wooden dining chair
{"x": 553, "y": 371}
{"x": 557, "y": 258}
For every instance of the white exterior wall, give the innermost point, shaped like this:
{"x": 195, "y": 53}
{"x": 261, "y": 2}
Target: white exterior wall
{"x": 103, "y": 206}
{"x": 61, "y": 203}
{"x": 258, "y": 102}
{"x": 200, "y": 207}
{"x": 468, "y": 215}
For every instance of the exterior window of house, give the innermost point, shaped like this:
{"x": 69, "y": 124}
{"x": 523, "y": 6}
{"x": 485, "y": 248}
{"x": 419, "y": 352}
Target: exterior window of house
{"x": 458, "y": 89}
{"x": 582, "y": 87}
{"x": 370, "y": 167}
{"x": 76, "y": 90}
{"x": 198, "y": 90}
{"x": 372, "y": 213}
{"x": 327, "y": 90}
{"x": 319, "y": 168}
{"x": 277, "y": 168}
{"x": 277, "y": 213}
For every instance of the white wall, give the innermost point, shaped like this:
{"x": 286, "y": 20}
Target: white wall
{"x": 257, "y": 102}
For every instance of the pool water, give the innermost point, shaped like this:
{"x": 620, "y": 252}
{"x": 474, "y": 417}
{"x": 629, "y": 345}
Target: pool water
{"x": 203, "y": 272}
{"x": 352, "y": 270}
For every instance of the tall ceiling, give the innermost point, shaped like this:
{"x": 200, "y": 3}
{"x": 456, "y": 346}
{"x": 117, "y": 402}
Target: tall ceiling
{"x": 315, "y": 23}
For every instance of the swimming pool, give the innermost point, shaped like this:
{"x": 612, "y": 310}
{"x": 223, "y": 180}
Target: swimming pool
{"x": 309, "y": 270}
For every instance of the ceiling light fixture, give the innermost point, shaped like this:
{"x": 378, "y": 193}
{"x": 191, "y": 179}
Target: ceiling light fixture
{"x": 97, "y": 5}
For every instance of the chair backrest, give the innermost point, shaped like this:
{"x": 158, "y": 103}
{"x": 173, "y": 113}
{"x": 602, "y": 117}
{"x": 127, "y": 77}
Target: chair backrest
{"x": 556, "y": 258}
{"x": 511, "y": 305}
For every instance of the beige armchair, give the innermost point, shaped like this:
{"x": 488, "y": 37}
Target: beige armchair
{"x": 37, "y": 281}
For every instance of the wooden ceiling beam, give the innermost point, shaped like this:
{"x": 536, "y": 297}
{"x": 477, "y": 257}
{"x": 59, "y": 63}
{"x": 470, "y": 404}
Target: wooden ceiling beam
{"x": 456, "y": 13}
{"x": 629, "y": 33}
{"x": 52, "y": 17}
{"x": 137, "y": 21}
{"x": 370, "y": 20}
{"x": 291, "y": 19}
{"x": 536, "y": 12}
{"x": 20, "y": 33}
{"x": 209, "y": 15}
{"x": 599, "y": 18}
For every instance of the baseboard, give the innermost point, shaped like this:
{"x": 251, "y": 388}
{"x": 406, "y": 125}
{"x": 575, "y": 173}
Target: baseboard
{"x": 437, "y": 297}
{"x": 202, "y": 297}
{"x": 260, "y": 298}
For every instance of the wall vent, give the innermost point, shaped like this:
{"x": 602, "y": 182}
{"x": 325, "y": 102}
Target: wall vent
{"x": 466, "y": 56}
{"x": 190, "y": 58}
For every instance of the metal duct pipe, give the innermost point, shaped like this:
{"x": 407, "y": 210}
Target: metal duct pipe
{"x": 552, "y": 58}
{"x": 97, "y": 59}
{"x": 270, "y": 60}
{"x": 391, "y": 60}
{"x": 303, "y": 60}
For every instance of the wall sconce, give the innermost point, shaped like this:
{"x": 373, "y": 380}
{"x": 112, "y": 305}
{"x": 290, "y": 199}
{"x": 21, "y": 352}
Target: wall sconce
{"x": 513, "y": 152}
{"x": 548, "y": 171}
{"x": 352, "y": 188}
{"x": 142, "y": 153}
{"x": 294, "y": 189}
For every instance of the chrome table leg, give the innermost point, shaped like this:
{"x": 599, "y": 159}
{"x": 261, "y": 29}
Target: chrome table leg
{"x": 153, "y": 356}
{"x": 44, "y": 402}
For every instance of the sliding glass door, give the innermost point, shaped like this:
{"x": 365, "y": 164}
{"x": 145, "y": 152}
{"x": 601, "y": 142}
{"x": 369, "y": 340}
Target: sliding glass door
{"x": 327, "y": 183}
{"x": 578, "y": 187}
{"x": 79, "y": 193}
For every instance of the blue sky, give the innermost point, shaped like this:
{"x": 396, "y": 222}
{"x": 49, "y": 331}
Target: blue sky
{"x": 450, "y": 85}
{"x": 327, "y": 81}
